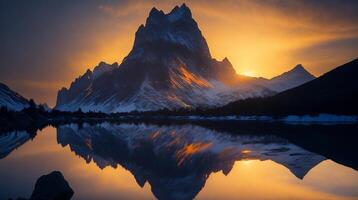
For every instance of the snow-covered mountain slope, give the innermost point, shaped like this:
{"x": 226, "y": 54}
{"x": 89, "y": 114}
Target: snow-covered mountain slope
{"x": 183, "y": 89}
{"x": 12, "y": 140}
{"x": 78, "y": 87}
{"x": 169, "y": 66}
{"x": 178, "y": 159}
{"x": 11, "y": 99}
{"x": 290, "y": 79}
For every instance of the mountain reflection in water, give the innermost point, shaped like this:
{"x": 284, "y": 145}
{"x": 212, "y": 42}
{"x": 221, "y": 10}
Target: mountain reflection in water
{"x": 175, "y": 160}
{"x": 12, "y": 140}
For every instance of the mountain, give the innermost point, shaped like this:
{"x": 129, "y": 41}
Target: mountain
{"x": 177, "y": 160}
{"x": 11, "y": 141}
{"x": 169, "y": 66}
{"x": 290, "y": 79}
{"x": 11, "y": 100}
{"x": 335, "y": 92}
{"x": 83, "y": 83}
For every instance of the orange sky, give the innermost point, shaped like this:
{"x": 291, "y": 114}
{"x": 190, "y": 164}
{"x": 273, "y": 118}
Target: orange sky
{"x": 260, "y": 38}
{"x": 257, "y": 39}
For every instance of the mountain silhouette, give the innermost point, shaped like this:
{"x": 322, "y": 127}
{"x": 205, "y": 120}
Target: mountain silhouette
{"x": 169, "y": 66}
{"x": 335, "y": 92}
{"x": 11, "y": 100}
{"x": 176, "y": 160}
{"x": 290, "y": 79}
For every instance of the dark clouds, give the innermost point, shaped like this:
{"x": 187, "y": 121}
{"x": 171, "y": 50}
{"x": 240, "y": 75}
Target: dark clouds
{"x": 36, "y": 35}
{"x": 327, "y": 10}
{"x": 39, "y": 38}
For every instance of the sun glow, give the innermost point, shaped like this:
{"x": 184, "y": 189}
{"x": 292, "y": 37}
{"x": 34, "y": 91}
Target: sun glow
{"x": 190, "y": 150}
{"x": 248, "y": 73}
{"x": 261, "y": 39}
{"x": 254, "y": 179}
{"x": 246, "y": 162}
{"x": 246, "y": 151}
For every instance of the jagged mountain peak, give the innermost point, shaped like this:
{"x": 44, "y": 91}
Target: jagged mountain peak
{"x": 297, "y": 71}
{"x": 156, "y": 16}
{"x": 176, "y": 30}
{"x": 226, "y": 61}
{"x": 83, "y": 82}
{"x": 103, "y": 67}
{"x": 183, "y": 7}
{"x": 182, "y": 12}
{"x": 169, "y": 66}
{"x": 155, "y": 12}
{"x": 290, "y": 79}
{"x": 88, "y": 73}
{"x": 102, "y": 63}
{"x": 98, "y": 70}
{"x": 300, "y": 69}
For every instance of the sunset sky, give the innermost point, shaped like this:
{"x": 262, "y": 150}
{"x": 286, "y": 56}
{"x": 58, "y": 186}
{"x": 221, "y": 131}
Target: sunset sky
{"x": 47, "y": 44}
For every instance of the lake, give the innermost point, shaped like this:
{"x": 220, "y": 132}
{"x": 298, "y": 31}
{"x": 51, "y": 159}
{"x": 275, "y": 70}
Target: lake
{"x": 185, "y": 161}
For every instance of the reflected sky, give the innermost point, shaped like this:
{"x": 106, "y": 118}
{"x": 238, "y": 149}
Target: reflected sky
{"x": 129, "y": 161}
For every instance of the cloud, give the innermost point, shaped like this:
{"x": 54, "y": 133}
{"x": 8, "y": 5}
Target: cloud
{"x": 331, "y": 54}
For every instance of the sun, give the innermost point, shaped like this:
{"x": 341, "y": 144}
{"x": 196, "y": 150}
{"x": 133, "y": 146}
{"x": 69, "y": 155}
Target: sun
{"x": 248, "y": 73}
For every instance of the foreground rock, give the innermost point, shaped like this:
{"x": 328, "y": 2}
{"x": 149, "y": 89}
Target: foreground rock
{"x": 52, "y": 186}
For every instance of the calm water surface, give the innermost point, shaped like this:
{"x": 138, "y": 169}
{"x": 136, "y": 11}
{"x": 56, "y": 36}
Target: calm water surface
{"x": 138, "y": 161}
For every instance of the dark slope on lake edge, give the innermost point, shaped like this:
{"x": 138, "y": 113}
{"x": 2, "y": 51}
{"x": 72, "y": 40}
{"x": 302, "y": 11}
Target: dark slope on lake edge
{"x": 12, "y": 100}
{"x": 335, "y": 92}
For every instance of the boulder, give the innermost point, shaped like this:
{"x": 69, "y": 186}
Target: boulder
{"x": 52, "y": 186}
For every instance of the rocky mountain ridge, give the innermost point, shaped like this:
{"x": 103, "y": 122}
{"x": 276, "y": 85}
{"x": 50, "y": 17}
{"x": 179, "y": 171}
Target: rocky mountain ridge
{"x": 169, "y": 66}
